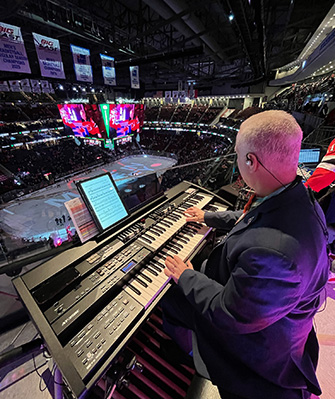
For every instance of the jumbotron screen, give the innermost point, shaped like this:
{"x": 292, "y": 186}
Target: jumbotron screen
{"x": 84, "y": 120}
{"x": 122, "y": 119}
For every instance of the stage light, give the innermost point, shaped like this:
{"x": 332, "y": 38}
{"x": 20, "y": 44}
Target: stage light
{"x": 61, "y": 87}
{"x": 231, "y": 16}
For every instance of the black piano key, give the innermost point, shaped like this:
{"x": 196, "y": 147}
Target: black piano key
{"x": 160, "y": 228}
{"x": 171, "y": 218}
{"x": 141, "y": 282}
{"x": 155, "y": 267}
{"x": 156, "y": 229}
{"x": 134, "y": 289}
{"x": 176, "y": 245}
{"x": 171, "y": 249}
{"x": 166, "y": 223}
{"x": 180, "y": 212}
{"x": 149, "y": 236}
{"x": 152, "y": 271}
{"x": 183, "y": 239}
{"x": 148, "y": 279}
{"x": 146, "y": 239}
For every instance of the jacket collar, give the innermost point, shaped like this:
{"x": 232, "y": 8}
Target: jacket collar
{"x": 295, "y": 190}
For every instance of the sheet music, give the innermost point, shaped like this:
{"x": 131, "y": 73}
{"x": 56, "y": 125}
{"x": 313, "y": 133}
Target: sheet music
{"x": 82, "y": 219}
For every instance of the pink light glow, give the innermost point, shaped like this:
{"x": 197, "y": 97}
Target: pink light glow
{"x": 155, "y": 165}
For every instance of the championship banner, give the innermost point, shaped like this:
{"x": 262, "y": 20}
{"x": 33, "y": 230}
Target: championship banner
{"x": 13, "y": 56}
{"x": 45, "y": 86}
{"x": 49, "y": 56}
{"x": 14, "y": 85}
{"x": 134, "y": 77}
{"x": 108, "y": 70}
{"x": 25, "y": 85}
{"x": 4, "y": 85}
{"x": 167, "y": 96}
{"x": 175, "y": 95}
{"x": 51, "y": 89}
{"x": 35, "y": 86}
{"x": 158, "y": 94}
{"x": 82, "y": 64}
{"x": 182, "y": 96}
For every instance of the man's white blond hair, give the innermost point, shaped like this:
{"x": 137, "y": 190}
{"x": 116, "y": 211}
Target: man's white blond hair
{"x": 275, "y": 137}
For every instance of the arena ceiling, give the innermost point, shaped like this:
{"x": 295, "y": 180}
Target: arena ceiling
{"x": 208, "y": 42}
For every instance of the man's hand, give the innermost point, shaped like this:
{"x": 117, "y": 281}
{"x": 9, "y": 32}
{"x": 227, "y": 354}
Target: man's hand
{"x": 175, "y": 267}
{"x": 195, "y": 215}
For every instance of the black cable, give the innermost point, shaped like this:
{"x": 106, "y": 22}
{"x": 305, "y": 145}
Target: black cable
{"x": 41, "y": 376}
{"x": 267, "y": 170}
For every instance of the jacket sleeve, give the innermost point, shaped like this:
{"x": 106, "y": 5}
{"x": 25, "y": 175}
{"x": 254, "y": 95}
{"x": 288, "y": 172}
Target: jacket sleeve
{"x": 222, "y": 220}
{"x": 263, "y": 287}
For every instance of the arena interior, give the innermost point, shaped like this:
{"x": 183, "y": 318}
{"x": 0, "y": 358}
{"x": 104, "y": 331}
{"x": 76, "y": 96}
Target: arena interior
{"x": 151, "y": 93}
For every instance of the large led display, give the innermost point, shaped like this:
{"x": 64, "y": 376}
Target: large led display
{"x": 122, "y": 119}
{"x": 84, "y": 120}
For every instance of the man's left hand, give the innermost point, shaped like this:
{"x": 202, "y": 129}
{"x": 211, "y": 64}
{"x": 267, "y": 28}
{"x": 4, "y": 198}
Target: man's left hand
{"x": 175, "y": 267}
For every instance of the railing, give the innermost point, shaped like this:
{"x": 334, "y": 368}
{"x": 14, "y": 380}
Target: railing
{"x": 323, "y": 135}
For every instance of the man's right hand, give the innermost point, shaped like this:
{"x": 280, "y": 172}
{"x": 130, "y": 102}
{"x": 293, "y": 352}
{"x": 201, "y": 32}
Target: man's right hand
{"x": 194, "y": 214}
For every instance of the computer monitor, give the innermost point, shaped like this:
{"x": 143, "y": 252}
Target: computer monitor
{"x": 103, "y": 201}
{"x": 309, "y": 155}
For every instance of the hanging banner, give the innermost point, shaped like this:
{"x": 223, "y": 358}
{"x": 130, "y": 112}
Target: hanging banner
{"x": 175, "y": 95}
{"x": 158, "y": 94}
{"x": 82, "y": 64}
{"x": 134, "y": 77}
{"x": 108, "y": 70}
{"x": 25, "y": 85}
{"x": 168, "y": 96}
{"x": 49, "y": 56}
{"x": 182, "y": 96}
{"x": 51, "y": 89}
{"x": 35, "y": 86}
{"x": 14, "y": 85}
{"x": 13, "y": 56}
{"x": 45, "y": 86}
{"x": 4, "y": 85}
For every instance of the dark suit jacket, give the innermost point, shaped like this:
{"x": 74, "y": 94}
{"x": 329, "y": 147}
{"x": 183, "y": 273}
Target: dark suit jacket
{"x": 254, "y": 305}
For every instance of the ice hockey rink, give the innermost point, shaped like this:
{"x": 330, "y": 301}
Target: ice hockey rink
{"x": 42, "y": 214}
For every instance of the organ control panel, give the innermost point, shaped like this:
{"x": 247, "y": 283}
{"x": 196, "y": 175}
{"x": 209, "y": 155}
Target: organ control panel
{"x": 88, "y": 301}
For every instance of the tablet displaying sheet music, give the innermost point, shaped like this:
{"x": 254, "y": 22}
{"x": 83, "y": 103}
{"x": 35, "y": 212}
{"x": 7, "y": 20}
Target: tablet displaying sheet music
{"x": 102, "y": 199}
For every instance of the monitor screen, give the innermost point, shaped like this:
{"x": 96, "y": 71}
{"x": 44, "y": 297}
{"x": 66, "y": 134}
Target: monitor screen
{"x": 122, "y": 119}
{"x": 309, "y": 155}
{"x": 102, "y": 199}
{"x": 139, "y": 191}
{"x": 83, "y": 120}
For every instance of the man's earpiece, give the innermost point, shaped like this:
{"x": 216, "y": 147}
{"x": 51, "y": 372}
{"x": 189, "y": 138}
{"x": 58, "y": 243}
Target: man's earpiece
{"x": 249, "y": 161}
